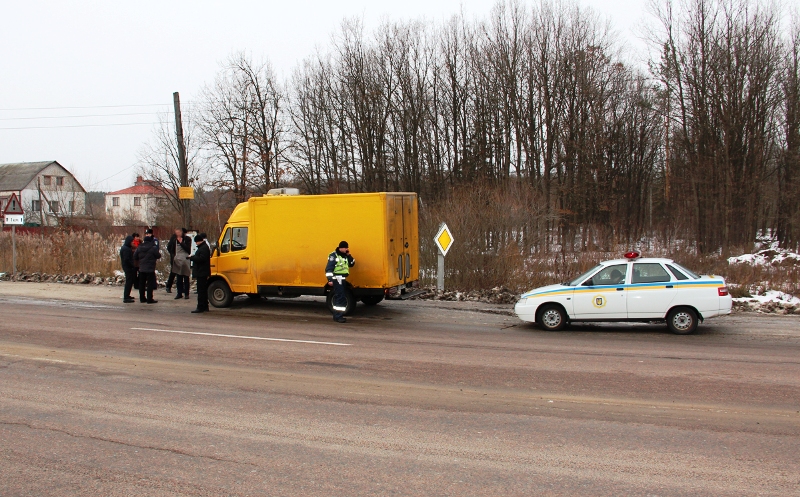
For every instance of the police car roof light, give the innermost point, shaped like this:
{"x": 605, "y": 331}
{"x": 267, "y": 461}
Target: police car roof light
{"x": 631, "y": 255}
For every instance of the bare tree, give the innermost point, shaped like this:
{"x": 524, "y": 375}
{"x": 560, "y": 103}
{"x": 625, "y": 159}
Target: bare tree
{"x": 158, "y": 159}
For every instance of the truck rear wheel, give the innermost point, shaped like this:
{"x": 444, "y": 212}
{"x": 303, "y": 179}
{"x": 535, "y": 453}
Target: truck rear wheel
{"x": 351, "y": 302}
{"x": 219, "y": 294}
{"x": 372, "y": 299}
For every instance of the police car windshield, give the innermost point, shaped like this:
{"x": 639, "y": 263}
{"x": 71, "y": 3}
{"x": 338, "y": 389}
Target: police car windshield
{"x": 691, "y": 274}
{"x": 577, "y": 281}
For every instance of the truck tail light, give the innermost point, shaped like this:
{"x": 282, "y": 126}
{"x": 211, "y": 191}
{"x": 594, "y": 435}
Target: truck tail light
{"x": 723, "y": 291}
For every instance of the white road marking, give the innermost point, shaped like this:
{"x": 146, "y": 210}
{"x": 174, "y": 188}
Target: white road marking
{"x": 242, "y": 336}
{"x": 34, "y": 358}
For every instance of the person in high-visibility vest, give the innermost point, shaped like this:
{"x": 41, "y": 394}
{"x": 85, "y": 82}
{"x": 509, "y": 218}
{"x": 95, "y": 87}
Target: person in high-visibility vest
{"x": 338, "y": 269}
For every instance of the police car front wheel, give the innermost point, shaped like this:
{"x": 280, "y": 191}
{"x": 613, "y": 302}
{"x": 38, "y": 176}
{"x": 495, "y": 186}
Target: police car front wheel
{"x": 682, "y": 321}
{"x": 552, "y": 318}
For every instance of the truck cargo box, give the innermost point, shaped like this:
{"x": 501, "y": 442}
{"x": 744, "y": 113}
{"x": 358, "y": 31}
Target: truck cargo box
{"x": 278, "y": 245}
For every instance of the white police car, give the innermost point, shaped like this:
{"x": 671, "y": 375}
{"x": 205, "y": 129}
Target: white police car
{"x": 630, "y": 289}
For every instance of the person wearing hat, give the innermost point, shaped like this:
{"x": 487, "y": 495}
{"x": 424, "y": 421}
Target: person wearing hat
{"x": 178, "y": 241}
{"x": 201, "y": 270}
{"x": 149, "y": 231}
{"x": 147, "y": 255}
{"x": 338, "y": 269}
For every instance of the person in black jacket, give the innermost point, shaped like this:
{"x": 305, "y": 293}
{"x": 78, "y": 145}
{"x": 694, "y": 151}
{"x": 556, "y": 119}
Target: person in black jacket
{"x": 126, "y": 257}
{"x": 147, "y": 254}
{"x": 201, "y": 270}
{"x": 186, "y": 243}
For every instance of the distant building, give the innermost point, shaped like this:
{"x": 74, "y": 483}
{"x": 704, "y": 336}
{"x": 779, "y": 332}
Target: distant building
{"x": 49, "y": 193}
{"x": 137, "y": 205}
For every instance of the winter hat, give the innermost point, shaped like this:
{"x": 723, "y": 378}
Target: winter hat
{"x": 343, "y": 244}
{"x": 199, "y": 238}
{"x": 148, "y": 231}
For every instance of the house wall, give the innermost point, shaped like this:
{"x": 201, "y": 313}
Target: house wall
{"x": 70, "y": 191}
{"x": 127, "y": 213}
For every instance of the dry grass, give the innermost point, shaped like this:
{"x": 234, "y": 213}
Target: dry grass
{"x": 489, "y": 252}
{"x": 500, "y": 242}
{"x": 63, "y": 252}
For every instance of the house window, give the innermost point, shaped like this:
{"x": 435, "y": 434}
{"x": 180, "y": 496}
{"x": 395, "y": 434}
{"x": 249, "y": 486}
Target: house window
{"x": 137, "y": 201}
{"x": 115, "y": 201}
{"x": 54, "y": 206}
{"x": 36, "y": 205}
{"x": 59, "y": 181}
{"x": 47, "y": 180}
{"x": 72, "y": 206}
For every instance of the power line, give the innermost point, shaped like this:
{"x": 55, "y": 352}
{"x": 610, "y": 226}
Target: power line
{"x": 77, "y": 116}
{"x": 113, "y": 175}
{"x": 12, "y": 109}
{"x": 80, "y": 125}
{"x": 85, "y": 107}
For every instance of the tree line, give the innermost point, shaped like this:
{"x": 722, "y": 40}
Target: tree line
{"x": 699, "y": 144}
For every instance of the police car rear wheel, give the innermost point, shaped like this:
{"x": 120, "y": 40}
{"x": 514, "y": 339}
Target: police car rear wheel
{"x": 682, "y": 321}
{"x": 351, "y": 302}
{"x": 552, "y": 318}
{"x": 219, "y": 294}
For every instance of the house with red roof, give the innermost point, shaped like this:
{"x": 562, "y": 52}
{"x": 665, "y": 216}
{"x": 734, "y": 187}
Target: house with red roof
{"x": 137, "y": 205}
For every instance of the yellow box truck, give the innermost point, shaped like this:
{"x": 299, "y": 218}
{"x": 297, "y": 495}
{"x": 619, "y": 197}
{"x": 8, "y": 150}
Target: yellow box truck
{"x": 278, "y": 245}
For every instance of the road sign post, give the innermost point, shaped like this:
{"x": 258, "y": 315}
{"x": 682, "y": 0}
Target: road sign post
{"x": 443, "y": 240}
{"x": 13, "y": 216}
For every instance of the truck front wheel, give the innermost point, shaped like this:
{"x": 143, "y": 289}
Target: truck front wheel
{"x": 351, "y": 302}
{"x": 219, "y": 294}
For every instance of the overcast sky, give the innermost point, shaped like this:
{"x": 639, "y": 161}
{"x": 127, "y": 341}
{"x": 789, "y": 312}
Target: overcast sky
{"x": 101, "y": 57}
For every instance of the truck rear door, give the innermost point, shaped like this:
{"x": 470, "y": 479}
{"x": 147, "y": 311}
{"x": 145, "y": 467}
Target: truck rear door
{"x": 410, "y": 239}
{"x": 394, "y": 224}
{"x": 403, "y": 239}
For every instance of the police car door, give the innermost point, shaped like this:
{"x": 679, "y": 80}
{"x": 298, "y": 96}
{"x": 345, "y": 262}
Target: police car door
{"x": 603, "y": 295}
{"x": 651, "y": 291}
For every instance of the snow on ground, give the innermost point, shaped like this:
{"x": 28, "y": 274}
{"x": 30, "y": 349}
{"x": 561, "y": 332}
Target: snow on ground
{"x": 771, "y": 301}
{"x": 772, "y": 256}
{"x": 771, "y": 296}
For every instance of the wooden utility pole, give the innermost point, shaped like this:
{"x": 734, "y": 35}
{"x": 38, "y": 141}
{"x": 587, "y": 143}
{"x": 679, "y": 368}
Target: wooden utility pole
{"x": 184, "y": 168}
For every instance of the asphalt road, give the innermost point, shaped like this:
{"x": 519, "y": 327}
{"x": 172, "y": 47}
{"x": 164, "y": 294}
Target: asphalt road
{"x": 408, "y": 398}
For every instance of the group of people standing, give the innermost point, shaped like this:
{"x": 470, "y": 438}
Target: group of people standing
{"x": 139, "y": 257}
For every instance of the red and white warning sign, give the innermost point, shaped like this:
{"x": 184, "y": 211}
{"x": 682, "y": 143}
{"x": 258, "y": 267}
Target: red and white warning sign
{"x": 13, "y": 214}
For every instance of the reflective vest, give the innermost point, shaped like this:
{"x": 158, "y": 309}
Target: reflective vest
{"x": 342, "y": 267}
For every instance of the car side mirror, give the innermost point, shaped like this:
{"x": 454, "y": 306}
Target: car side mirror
{"x": 589, "y": 282}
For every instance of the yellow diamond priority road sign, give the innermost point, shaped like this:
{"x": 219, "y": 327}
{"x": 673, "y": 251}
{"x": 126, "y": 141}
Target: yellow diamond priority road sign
{"x": 444, "y": 239}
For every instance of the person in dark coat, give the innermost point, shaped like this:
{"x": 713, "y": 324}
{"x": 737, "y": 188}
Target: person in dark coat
{"x": 177, "y": 238}
{"x": 147, "y": 254}
{"x": 135, "y": 245}
{"x": 126, "y": 257}
{"x": 201, "y": 270}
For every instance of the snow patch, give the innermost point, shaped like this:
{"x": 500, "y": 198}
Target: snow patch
{"x": 772, "y": 256}
{"x": 771, "y": 296}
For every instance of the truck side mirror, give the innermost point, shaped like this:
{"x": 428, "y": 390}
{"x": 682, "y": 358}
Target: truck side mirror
{"x": 214, "y": 247}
